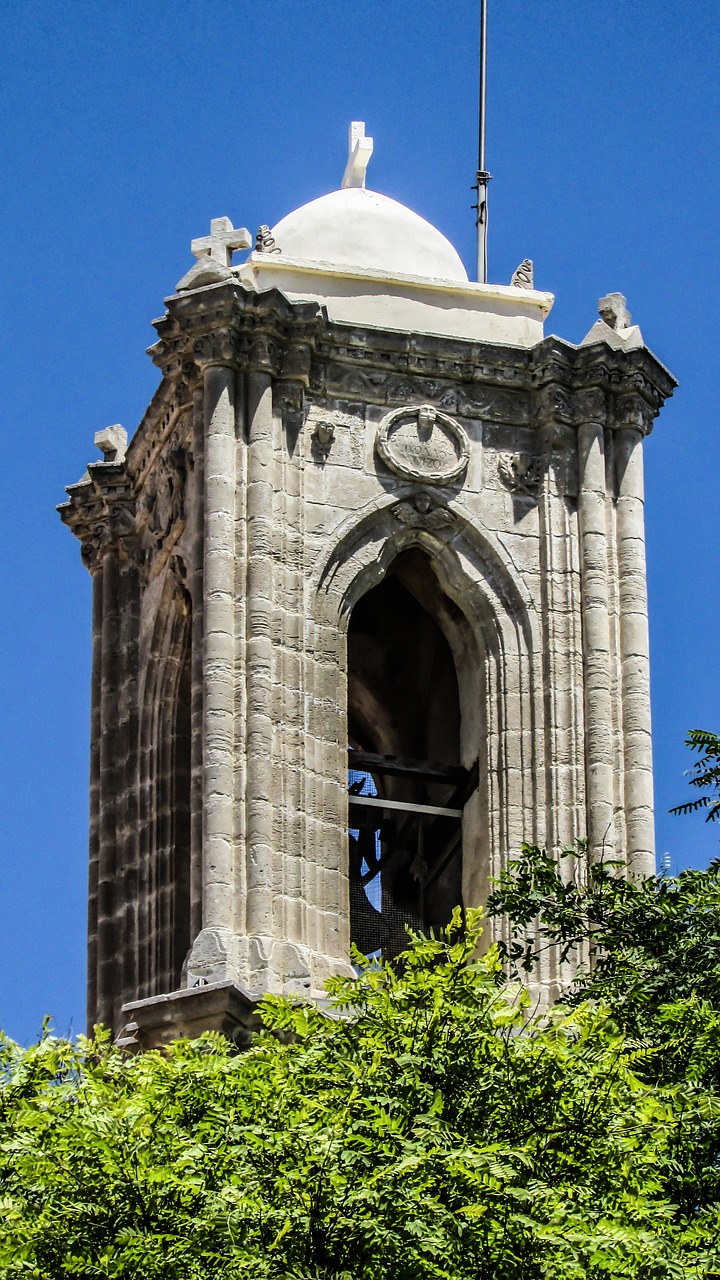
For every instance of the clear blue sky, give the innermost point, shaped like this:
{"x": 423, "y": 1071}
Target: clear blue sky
{"x": 128, "y": 126}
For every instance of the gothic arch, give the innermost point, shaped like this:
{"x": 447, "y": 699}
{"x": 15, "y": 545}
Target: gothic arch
{"x": 492, "y": 632}
{"x": 164, "y": 855}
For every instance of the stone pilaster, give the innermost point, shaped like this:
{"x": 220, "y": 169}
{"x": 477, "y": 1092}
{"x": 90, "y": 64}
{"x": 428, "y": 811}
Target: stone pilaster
{"x": 128, "y": 801}
{"x": 592, "y": 522}
{"x": 259, "y": 666}
{"x": 210, "y": 953}
{"x": 109, "y": 970}
{"x": 197, "y": 697}
{"x": 95, "y": 795}
{"x": 634, "y": 639}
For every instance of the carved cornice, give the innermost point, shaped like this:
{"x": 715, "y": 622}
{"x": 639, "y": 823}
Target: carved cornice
{"x": 562, "y": 371}
{"x": 101, "y": 513}
{"x": 140, "y": 521}
{"x": 226, "y": 324}
{"x": 553, "y": 388}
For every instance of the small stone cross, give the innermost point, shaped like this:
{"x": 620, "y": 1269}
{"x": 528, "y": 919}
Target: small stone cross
{"x": 360, "y": 150}
{"x": 112, "y": 443}
{"x": 613, "y": 309}
{"x": 222, "y": 242}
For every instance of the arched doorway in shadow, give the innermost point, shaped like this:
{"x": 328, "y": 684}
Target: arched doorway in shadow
{"x": 407, "y": 784}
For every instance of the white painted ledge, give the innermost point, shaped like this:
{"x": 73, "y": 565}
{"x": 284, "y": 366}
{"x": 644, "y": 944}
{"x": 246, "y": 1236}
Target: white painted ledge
{"x": 448, "y": 308}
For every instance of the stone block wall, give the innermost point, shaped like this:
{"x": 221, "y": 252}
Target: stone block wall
{"x": 284, "y": 465}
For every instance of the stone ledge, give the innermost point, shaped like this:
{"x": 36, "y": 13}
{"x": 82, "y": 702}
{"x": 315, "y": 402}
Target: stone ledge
{"x": 218, "y": 1006}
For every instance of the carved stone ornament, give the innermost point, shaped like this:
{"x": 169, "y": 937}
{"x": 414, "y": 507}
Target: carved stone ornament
{"x": 322, "y": 437}
{"x": 162, "y": 508}
{"x": 422, "y": 513}
{"x": 521, "y": 473}
{"x": 423, "y": 443}
{"x": 265, "y": 241}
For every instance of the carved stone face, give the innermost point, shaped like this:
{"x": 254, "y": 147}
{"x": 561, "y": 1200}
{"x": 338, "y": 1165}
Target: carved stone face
{"x": 426, "y": 421}
{"x": 422, "y": 502}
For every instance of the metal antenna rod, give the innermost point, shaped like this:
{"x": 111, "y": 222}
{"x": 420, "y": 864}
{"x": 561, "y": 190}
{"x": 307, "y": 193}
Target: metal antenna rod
{"x": 483, "y": 177}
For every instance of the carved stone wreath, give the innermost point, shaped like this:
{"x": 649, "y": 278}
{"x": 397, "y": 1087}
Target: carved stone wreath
{"x": 422, "y": 443}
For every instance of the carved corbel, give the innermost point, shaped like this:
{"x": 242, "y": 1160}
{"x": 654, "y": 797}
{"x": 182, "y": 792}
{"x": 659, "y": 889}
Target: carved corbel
{"x": 94, "y": 544}
{"x": 590, "y": 406}
{"x": 122, "y": 524}
{"x": 323, "y": 435}
{"x": 555, "y": 403}
{"x": 632, "y": 413}
{"x": 218, "y": 347}
{"x": 264, "y": 355}
{"x": 289, "y": 405}
{"x": 191, "y": 375}
{"x": 296, "y": 363}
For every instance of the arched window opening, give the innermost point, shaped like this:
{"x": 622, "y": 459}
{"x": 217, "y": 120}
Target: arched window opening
{"x": 169, "y": 854}
{"x": 407, "y": 786}
{"x": 181, "y": 814}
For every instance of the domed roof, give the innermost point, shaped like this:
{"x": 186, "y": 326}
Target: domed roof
{"x": 357, "y": 228}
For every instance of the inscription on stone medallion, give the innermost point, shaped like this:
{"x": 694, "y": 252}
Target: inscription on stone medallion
{"x": 423, "y": 443}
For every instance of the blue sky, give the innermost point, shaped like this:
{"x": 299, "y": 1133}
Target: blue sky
{"x": 128, "y": 126}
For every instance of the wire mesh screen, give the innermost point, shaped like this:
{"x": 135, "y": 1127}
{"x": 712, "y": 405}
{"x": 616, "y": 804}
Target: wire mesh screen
{"x": 378, "y": 923}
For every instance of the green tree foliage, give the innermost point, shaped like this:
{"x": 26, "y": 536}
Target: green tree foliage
{"x": 704, "y": 775}
{"x": 424, "y": 1125}
{"x": 648, "y": 953}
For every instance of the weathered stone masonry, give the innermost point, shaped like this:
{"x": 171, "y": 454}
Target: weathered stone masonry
{"x": 228, "y": 548}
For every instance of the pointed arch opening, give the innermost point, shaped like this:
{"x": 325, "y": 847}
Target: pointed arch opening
{"x": 407, "y": 784}
{"x": 165, "y": 857}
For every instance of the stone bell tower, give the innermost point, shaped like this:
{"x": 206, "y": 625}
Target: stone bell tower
{"x": 369, "y": 610}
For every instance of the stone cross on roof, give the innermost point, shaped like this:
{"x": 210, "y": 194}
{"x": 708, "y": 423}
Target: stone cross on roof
{"x": 360, "y": 150}
{"x": 222, "y": 242}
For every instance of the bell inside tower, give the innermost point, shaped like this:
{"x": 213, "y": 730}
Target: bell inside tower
{"x": 407, "y": 786}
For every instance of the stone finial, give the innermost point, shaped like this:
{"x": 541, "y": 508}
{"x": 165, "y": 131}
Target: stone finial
{"x": 522, "y": 278}
{"x": 112, "y": 442}
{"x": 360, "y": 150}
{"x": 614, "y": 312}
{"x": 614, "y": 326}
{"x": 223, "y": 241}
{"x": 265, "y": 241}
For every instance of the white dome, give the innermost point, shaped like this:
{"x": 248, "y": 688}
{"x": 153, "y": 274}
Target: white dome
{"x": 362, "y": 229}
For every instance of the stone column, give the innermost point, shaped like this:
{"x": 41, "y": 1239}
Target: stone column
{"x": 635, "y": 653}
{"x": 109, "y": 962}
{"x": 259, "y": 784}
{"x": 218, "y": 665}
{"x": 95, "y": 738}
{"x": 592, "y": 516}
{"x": 128, "y": 808}
{"x": 196, "y": 641}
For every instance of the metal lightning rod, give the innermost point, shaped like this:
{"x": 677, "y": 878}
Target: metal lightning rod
{"x": 483, "y": 177}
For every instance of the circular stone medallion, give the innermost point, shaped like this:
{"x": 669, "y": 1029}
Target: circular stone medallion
{"x": 422, "y": 443}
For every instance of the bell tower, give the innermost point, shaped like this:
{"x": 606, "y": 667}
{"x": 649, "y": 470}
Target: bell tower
{"x": 369, "y": 610}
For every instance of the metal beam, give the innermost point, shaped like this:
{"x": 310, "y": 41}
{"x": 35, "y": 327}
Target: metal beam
{"x": 404, "y": 806}
{"x": 400, "y": 766}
